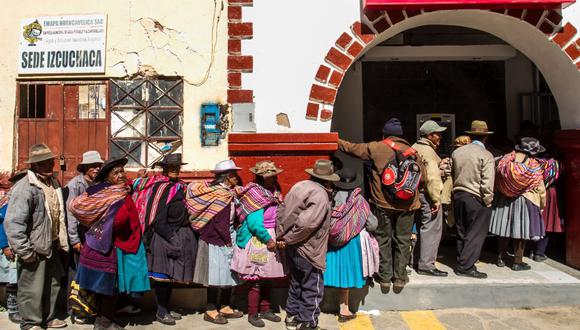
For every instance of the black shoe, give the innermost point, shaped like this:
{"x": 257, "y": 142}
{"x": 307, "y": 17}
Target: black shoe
{"x": 500, "y": 262}
{"x": 270, "y": 316}
{"x": 398, "y": 285}
{"x": 470, "y": 273}
{"x": 256, "y": 321}
{"x": 308, "y": 326}
{"x": 291, "y": 322}
{"x": 346, "y": 318}
{"x": 540, "y": 258}
{"x": 520, "y": 266}
{"x": 432, "y": 272}
{"x": 175, "y": 315}
{"x": 166, "y": 319}
{"x": 15, "y": 317}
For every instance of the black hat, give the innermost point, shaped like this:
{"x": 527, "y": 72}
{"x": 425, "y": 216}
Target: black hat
{"x": 348, "y": 179}
{"x": 109, "y": 165}
{"x": 17, "y": 176}
{"x": 530, "y": 145}
{"x": 171, "y": 159}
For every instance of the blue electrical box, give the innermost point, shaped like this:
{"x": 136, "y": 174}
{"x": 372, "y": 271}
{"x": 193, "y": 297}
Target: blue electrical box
{"x": 210, "y": 124}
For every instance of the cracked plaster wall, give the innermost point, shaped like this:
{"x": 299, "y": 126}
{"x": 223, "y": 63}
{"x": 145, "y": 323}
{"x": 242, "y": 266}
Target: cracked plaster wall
{"x": 144, "y": 37}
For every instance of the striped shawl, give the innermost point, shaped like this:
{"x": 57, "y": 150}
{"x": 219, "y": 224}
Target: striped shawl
{"x": 254, "y": 197}
{"x": 143, "y": 191}
{"x": 203, "y": 202}
{"x": 90, "y": 208}
{"x": 348, "y": 219}
{"x": 514, "y": 178}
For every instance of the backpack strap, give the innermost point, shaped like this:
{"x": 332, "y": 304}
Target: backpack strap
{"x": 407, "y": 153}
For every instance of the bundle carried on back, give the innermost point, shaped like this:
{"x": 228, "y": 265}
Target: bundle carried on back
{"x": 515, "y": 178}
{"x": 204, "y": 202}
{"x": 348, "y": 219}
{"x": 254, "y": 197}
{"x": 552, "y": 170}
{"x": 90, "y": 208}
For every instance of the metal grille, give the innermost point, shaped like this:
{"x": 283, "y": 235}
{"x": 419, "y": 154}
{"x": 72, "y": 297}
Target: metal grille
{"x": 146, "y": 119}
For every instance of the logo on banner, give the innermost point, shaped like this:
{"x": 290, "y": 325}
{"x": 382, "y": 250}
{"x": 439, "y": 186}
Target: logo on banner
{"x": 32, "y": 32}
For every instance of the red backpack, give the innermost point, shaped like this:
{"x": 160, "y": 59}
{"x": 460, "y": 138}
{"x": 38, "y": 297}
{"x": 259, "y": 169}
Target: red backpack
{"x": 401, "y": 175}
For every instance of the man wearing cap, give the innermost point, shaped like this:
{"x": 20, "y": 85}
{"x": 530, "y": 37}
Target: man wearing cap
{"x": 303, "y": 226}
{"x": 430, "y": 218}
{"x": 88, "y": 168}
{"x": 36, "y": 230}
{"x": 395, "y": 220}
{"x": 473, "y": 183}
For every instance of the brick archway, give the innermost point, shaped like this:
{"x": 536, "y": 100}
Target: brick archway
{"x": 359, "y": 37}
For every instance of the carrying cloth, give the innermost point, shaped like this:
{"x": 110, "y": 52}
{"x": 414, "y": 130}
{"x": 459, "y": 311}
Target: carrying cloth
{"x": 516, "y": 178}
{"x": 552, "y": 171}
{"x": 143, "y": 191}
{"x": 348, "y": 219}
{"x": 254, "y": 197}
{"x": 90, "y": 208}
{"x": 203, "y": 202}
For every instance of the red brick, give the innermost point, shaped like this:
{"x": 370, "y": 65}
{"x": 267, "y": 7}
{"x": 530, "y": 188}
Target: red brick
{"x": 240, "y": 30}
{"x": 234, "y": 79}
{"x": 241, "y": 2}
{"x": 240, "y": 63}
{"x": 564, "y": 36}
{"x": 554, "y": 17}
{"x": 396, "y": 16}
{"x": 240, "y": 96}
{"x": 533, "y": 16}
{"x": 312, "y": 111}
{"x": 335, "y": 79}
{"x": 412, "y": 13}
{"x": 234, "y": 47}
{"x": 234, "y": 13}
{"x": 325, "y": 115}
{"x": 382, "y": 25}
{"x": 322, "y": 74}
{"x": 356, "y": 29}
{"x": 355, "y": 49}
{"x": 343, "y": 41}
{"x": 373, "y": 15}
{"x": 338, "y": 59}
{"x": 573, "y": 51}
{"x": 322, "y": 94}
{"x": 517, "y": 13}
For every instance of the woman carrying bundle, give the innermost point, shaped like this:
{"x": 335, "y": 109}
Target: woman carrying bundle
{"x": 520, "y": 197}
{"x": 112, "y": 261}
{"x": 256, "y": 259}
{"x": 353, "y": 254}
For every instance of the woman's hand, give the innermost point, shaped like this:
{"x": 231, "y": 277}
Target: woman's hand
{"x": 8, "y": 253}
{"x": 271, "y": 245}
{"x": 281, "y": 244}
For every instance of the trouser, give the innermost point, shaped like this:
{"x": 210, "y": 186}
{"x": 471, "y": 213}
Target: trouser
{"x": 162, "y": 296}
{"x": 542, "y": 245}
{"x": 519, "y": 246}
{"x": 218, "y": 297}
{"x": 12, "y": 298}
{"x": 306, "y": 289}
{"x": 39, "y": 284}
{"x": 472, "y": 219}
{"x": 259, "y": 298}
{"x": 106, "y": 307}
{"x": 430, "y": 228}
{"x": 393, "y": 235}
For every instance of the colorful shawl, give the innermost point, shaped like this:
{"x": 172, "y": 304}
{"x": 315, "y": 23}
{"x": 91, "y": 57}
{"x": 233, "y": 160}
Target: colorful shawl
{"x": 254, "y": 197}
{"x": 348, "y": 219}
{"x": 203, "y": 202}
{"x": 90, "y": 208}
{"x": 552, "y": 171}
{"x": 514, "y": 178}
{"x": 142, "y": 191}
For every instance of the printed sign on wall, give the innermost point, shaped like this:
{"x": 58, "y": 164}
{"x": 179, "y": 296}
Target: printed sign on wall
{"x": 62, "y": 44}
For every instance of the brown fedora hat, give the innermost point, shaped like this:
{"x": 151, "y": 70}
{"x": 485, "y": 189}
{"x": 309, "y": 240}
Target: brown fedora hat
{"x": 479, "y": 127}
{"x": 324, "y": 170}
{"x": 39, "y": 153}
{"x": 266, "y": 168}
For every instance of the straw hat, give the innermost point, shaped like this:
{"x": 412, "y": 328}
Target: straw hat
{"x": 266, "y": 168}
{"x": 90, "y": 157}
{"x": 324, "y": 170}
{"x": 39, "y": 153}
{"x": 225, "y": 166}
{"x": 479, "y": 127}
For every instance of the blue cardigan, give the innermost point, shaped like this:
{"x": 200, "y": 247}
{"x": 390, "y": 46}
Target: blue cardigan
{"x": 3, "y": 238}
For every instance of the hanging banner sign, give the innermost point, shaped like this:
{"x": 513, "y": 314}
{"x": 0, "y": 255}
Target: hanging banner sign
{"x": 62, "y": 44}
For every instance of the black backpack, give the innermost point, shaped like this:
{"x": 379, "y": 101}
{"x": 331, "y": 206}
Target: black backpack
{"x": 401, "y": 175}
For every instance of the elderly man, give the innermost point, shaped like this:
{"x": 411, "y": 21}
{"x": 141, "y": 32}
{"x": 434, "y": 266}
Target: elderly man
{"x": 303, "y": 226}
{"x": 36, "y": 230}
{"x": 430, "y": 218}
{"x": 473, "y": 183}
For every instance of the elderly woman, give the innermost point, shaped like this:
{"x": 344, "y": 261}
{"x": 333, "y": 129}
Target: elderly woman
{"x": 212, "y": 213}
{"x": 256, "y": 259}
{"x": 112, "y": 260}
{"x": 518, "y": 203}
{"x": 353, "y": 255}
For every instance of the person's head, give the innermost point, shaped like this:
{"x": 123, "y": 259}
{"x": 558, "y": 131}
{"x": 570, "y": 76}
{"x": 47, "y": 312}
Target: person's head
{"x": 323, "y": 173}
{"x": 112, "y": 172}
{"x": 266, "y": 174}
{"x": 90, "y": 165}
{"x": 461, "y": 141}
{"x": 226, "y": 172}
{"x": 432, "y": 132}
{"x": 171, "y": 165}
{"x": 479, "y": 131}
{"x": 392, "y": 128}
{"x": 41, "y": 160}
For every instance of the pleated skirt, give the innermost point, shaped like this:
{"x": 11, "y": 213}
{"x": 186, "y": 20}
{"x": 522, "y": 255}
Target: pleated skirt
{"x": 516, "y": 218}
{"x": 344, "y": 266}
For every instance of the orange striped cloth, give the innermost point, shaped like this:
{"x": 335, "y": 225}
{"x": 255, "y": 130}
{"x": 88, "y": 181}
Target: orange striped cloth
{"x": 254, "y": 197}
{"x": 514, "y": 178}
{"x": 204, "y": 202}
{"x": 90, "y": 208}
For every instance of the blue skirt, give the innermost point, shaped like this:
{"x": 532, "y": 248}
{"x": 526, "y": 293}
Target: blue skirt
{"x": 344, "y": 267}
